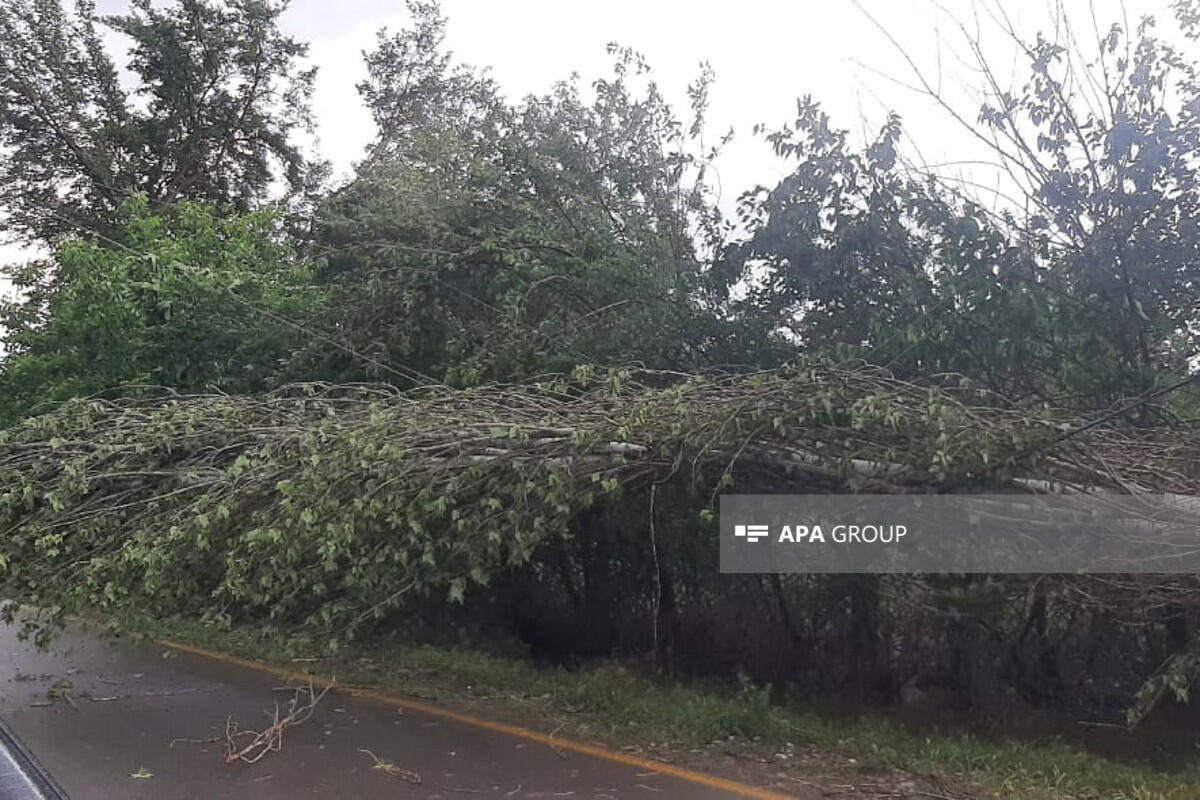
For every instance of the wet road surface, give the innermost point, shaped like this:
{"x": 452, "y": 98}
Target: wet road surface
{"x": 113, "y": 719}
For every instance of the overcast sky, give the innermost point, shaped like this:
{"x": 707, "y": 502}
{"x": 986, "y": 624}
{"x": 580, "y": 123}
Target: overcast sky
{"x": 765, "y": 55}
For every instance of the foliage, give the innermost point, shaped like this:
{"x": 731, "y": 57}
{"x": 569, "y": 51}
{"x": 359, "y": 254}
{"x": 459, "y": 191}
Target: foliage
{"x": 850, "y": 256}
{"x": 498, "y": 240}
{"x": 192, "y": 301}
{"x": 325, "y": 507}
{"x": 216, "y": 100}
{"x": 1113, "y": 186}
{"x": 1084, "y": 283}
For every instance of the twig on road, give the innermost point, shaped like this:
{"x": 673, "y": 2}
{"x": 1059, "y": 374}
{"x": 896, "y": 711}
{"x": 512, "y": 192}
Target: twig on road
{"x": 392, "y": 769}
{"x": 259, "y": 743}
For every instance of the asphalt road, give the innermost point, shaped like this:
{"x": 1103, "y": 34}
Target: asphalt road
{"x": 118, "y": 719}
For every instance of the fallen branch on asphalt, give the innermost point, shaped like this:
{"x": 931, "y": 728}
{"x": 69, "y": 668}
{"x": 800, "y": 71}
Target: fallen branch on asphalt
{"x": 251, "y": 746}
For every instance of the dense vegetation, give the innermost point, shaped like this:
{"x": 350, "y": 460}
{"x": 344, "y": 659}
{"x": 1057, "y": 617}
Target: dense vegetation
{"x": 491, "y": 384}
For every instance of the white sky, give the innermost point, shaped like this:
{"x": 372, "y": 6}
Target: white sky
{"x": 765, "y": 55}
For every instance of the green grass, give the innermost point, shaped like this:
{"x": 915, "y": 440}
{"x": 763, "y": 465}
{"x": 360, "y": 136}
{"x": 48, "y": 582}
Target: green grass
{"x": 613, "y": 703}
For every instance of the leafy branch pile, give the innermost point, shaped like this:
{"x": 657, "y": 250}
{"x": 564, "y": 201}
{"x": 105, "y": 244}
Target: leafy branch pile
{"x": 328, "y": 507}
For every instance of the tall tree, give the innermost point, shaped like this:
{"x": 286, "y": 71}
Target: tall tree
{"x": 1084, "y": 281}
{"x": 483, "y": 239}
{"x": 217, "y": 95}
{"x": 1098, "y": 145}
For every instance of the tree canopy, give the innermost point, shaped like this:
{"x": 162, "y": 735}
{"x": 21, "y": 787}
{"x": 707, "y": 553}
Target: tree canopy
{"x": 498, "y": 240}
{"x": 216, "y": 98}
{"x": 189, "y": 300}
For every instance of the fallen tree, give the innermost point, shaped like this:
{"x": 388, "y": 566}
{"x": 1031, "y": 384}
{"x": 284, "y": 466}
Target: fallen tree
{"x": 329, "y": 508}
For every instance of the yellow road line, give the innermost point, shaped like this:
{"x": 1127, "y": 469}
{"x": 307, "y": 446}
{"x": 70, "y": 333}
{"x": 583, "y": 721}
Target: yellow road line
{"x": 583, "y": 748}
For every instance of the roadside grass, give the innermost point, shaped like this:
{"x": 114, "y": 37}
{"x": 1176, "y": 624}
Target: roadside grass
{"x": 612, "y": 703}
